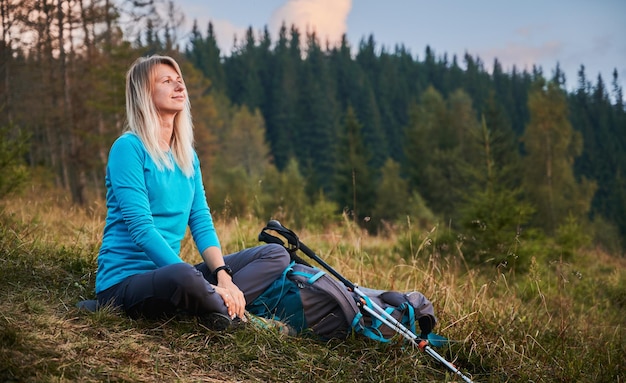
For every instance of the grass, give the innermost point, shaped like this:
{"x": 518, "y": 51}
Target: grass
{"x": 560, "y": 321}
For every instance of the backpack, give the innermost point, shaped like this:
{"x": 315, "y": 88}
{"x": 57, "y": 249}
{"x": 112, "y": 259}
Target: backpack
{"x": 311, "y": 302}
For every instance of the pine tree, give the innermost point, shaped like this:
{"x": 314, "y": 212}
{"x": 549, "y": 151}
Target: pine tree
{"x": 353, "y": 186}
{"x": 242, "y": 68}
{"x": 426, "y": 118}
{"x": 346, "y": 74}
{"x": 318, "y": 122}
{"x": 598, "y": 121}
{"x": 365, "y": 102}
{"x": 195, "y": 52}
{"x": 242, "y": 143}
{"x": 433, "y": 150}
{"x": 618, "y": 94}
{"x": 551, "y": 146}
{"x": 283, "y": 196}
{"x": 205, "y": 55}
{"x": 392, "y": 196}
{"x": 243, "y": 157}
{"x": 282, "y": 97}
{"x": 395, "y": 88}
{"x": 493, "y": 212}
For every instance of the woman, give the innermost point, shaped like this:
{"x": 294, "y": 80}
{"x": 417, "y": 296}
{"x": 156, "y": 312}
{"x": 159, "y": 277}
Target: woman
{"x": 154, "y": 192}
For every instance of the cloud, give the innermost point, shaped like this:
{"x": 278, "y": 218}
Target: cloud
{"x": 226, "y": 33}
{"x": 327, "y": 18}
{"x": 528, "y": 32}
{"x": 524, "y": 56}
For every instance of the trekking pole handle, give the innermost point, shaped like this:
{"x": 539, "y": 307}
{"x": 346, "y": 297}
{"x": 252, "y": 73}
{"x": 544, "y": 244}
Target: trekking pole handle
{"x": 293, "y": 243}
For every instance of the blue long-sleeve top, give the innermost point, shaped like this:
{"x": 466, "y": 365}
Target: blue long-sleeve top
{"x": 148, "y": 212}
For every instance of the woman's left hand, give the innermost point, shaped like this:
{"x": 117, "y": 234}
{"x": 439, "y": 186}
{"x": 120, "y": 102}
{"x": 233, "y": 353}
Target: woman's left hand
{"x": 232, "y": 296}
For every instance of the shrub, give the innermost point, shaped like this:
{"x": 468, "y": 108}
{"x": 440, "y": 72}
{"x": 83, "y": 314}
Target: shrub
{"x": 13, "y": 171}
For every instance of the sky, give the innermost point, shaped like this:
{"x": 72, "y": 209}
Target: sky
{"x": 521, "y": 33}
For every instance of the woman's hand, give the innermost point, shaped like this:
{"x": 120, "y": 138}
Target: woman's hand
{"x": 230, "y": 293}
{"x": 232, "y": 296}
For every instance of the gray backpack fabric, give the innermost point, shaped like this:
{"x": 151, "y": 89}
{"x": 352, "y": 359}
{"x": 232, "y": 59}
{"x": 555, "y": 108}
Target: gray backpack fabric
{"x": 312, "y": 302}
{"x": 309, "y": 301}
{"x": 328, "y": 306}
{"x": 407, "y": 308}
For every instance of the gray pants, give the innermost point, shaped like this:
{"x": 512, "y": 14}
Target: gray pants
{"x": 187, "y": 288}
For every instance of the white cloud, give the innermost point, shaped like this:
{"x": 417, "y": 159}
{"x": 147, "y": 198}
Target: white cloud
{"x": 327, "y": 18}
{"x": 226, "y": 33}
{"x": 524, "y": 56}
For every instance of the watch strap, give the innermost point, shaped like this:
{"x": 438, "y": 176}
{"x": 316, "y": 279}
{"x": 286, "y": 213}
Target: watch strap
{"x": 226, "y": 268}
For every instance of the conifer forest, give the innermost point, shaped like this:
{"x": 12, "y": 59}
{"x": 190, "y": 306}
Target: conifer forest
{"x": 297, "y": 129}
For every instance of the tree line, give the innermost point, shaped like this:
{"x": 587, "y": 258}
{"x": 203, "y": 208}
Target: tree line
{"x": 446, "y": 135}
{"x": 304, "y": 131}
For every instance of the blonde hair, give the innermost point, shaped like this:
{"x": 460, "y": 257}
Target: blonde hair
{"x": 143, "y": 120}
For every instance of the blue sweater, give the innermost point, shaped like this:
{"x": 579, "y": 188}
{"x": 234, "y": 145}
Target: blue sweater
{"x": 148, "y": 211}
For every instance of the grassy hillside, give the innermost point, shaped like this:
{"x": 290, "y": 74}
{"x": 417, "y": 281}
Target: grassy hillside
{"x": 560, "y": 321}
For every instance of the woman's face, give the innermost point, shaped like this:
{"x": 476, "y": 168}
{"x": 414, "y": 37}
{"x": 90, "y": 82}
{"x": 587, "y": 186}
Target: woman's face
{"x": 168, "y": 92}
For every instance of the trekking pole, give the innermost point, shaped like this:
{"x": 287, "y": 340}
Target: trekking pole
{"x": 364, "y": 302}
{"x": 422, "y": 344}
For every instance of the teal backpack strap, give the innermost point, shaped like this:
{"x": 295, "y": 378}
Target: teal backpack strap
{"x": 372, "y": 331}
{"x": 368, "y": 331}
{"x": 408, "y": 319}
{"x": 311, "y": 278}
{"x": 281, "y": 301}
{"x": 316, "y": 277}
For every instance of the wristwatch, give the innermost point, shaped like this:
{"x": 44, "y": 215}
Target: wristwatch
{"x": 226, "y": 268}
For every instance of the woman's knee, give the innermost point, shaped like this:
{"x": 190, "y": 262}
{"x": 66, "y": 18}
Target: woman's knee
{"x": 182, "y": 275}
{"x": 277, "y": 252}
{"x": 275, "y": 258}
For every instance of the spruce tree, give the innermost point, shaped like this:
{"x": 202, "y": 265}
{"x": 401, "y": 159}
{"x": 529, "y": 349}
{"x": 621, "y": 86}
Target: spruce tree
{"x": 493, "y": 212}
{"x": 365, "y": 103}
{"x": 282, "y": 195}
{"x": 212, "y": 61}
{"x": 317, "y": 112}
{"x": 243, "y": 144}
{"x": 425, "y": 120}
{"x": 392, "y": 196}
{"x": 353, "y": 186}
{"x": 282, "y": 98}
{"x": 551, "y": 146}
{"x": 242, "y": 68}
{"x": 434, "y": 150}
